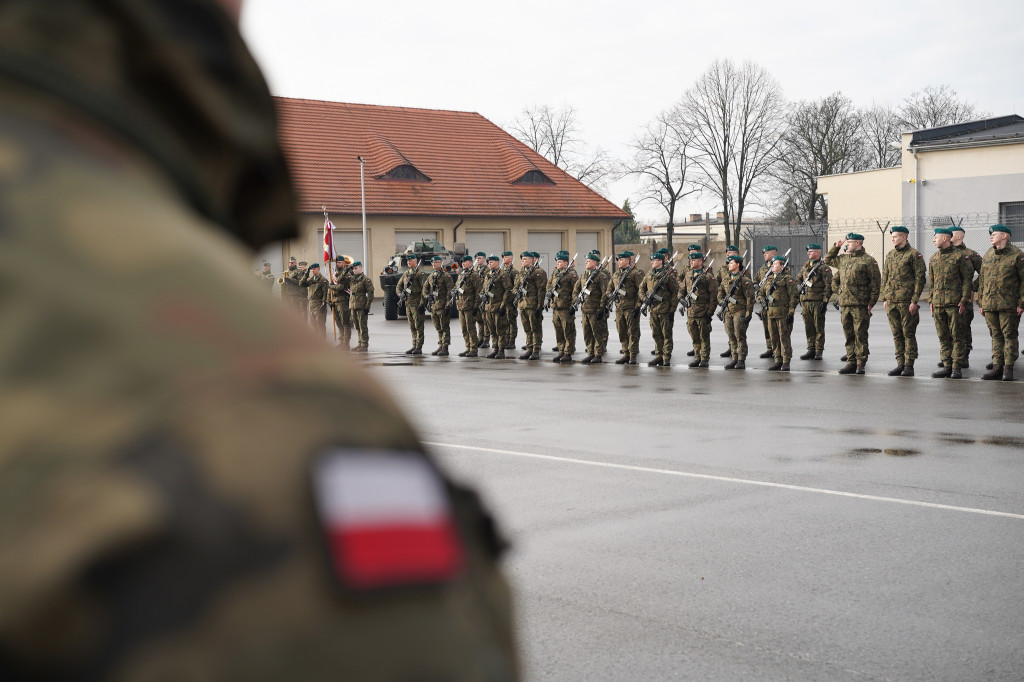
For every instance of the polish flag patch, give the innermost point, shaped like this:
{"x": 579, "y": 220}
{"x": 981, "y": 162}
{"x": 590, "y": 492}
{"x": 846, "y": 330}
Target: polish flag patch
{"x": 387, "y": 520}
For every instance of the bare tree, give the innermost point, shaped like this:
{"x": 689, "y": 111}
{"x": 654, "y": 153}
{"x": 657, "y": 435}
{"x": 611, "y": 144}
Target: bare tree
{"x": 555, "y": 135}
{"x": 736, "y": 115}
{"x": 660, "y": 161}
{"x": 880, "y": 126}
{"x": 934, "y": 106}
{"x": 822, "y": 137}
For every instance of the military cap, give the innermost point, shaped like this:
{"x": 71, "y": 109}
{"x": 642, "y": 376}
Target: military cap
{"x": 596, "y": 257}
{"x": 314, "y": 266}
{"x": 694, "y": 247}
{"x": 358, "y": 262}
{"x": 769, "y": 248}
{"x": 265, "y": 263}
{"x": 624, "y": 254}
{"x": 855, "y": 237}
{"x": 732, "y": 247}
{"x": 738, "y": 259}
{"x": 339, "y": 258}
{"x": 944, "y": 230}
{"x": 302, "y": 262}
{"x": 526, "y": 254}
{"x": 410, "y": 256}
{"x": 694, "y": 255}
{"x": 812, "y": 246}
{"x": 535, "y": 254}
{"x": 481, "y": 253}
{"x": 595, "y": 252}
{"x": 781, "y": 259}
{"x": 493, "y": 257}
{"x": 291, "y": 258}
{"x": 436, "y": 259}
{"x": 899, "y": 228}
{"x": 957, "y": 228}
{"x": 663, "y": 250}
{"x": 658, "y": 255}
{"x": 999, "y": 228}
{"x": 467, "y": 258}
{"x": 507, "y": 253}
{"x": 562, "y": 255}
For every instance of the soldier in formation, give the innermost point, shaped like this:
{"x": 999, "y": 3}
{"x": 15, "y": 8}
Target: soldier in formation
{"x": 359, "y": 302}
{"x": 559, "y": 294}
{"x": 859, "y": 285}
{"x": 480, "y": 268}
{"x": 511, "y": 314}
{"x": 721, "y": 276}
{"x": 815, "y": 288}
{"x": 698, "y": 290}
{"x": 975, "y": 258}
{"x": 436, "y": 292}
{"x": 410, "y": 288}
{"x": 624, "y": 291}
{"x": 495, "y": 292}
{"x": 590, "y": 291}
{"x": 659, "y": 293}
{"x": 736, "y": 297}
{"x": 779, "y": 291}
{"x": 340, "y": 300}
{"x": 316, "y": 284}
{"x": 949, "y": 294}
{"x": 291, "y": 293}
{"x": 762, "y": 275}
{"x": 467, "y": 292}
{"x": 1001, "y": 300}
{"x": 903, "y": 282}
{"x": 529, "y": 292}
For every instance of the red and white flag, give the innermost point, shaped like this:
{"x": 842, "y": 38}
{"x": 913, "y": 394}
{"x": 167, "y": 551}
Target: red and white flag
{"x": 328, "y": 241}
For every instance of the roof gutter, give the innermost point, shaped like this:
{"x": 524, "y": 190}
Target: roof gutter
{"x": 967, "y": 145}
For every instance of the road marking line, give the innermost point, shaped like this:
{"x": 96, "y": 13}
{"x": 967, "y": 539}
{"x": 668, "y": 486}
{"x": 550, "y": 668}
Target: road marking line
{"x": 726, "y": 479}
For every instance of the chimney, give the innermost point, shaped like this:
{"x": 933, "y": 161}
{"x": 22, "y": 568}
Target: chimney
{"x": 696, "y": 217}
{"x": 720, "y": 215}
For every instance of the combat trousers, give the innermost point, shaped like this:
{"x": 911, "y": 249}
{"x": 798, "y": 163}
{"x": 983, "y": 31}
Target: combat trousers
{"x": 301, "y": 304}
{"x": 481, "y": 325}
{"x": 531, "y": 320}
{"x": 814, "y": 324}
{"x": 439, "y": 315}
{"x": 1003, "y": 325}
{"x": 318, "y": 316}
{"x": 361, "y": 326}
{"x": 968, "y": 333}
{"x": 699, "y": 327}
{"x": 767, "y": 331}
{"x": 949, "y": 325}
{"x": 416, "y": 319}
{"x": 904, "y": 331}
{"x": 782, "y": 338}
{"x": 565, "y": 330}
{"x": 662, "y": 325}
{"x": 736, "y": 330}
{"x": 595, "y": 332}
{"x": 467, "y": 322}
{"x": 497, "y": 326}
{"x": 628, "y": 326}
{"x": 343, "y": 321}
{"x": 855, "y": 319}
{"x": 512, "y": 320}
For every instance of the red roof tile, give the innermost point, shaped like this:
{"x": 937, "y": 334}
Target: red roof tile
{"x": 472, "y": 164}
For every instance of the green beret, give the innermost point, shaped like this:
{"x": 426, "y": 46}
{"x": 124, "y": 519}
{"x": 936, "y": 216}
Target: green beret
{"x": 738, "y": 259}
{"x": 781, "y": 259}
{"x": 535, "y": 254}
{"x": 436, "y": 259}
{"x": 411, "y": 256}
{"x": 694, "y": 255}
{"x": 562, "y": 253}
{"x": 944, "y": 230}
{"x": 694, "y": 247}
{"x": 507, "y": 253}
{"x": 595, "y": 252}
{"x": 480, "y": 253}
{"x": 494, "y": 258}
{"x": 899, "y": 228}
{"x": 769, "y": 248}
{"x": 624, "y": 254}
{"x": 564, "y": 257}
{"x": 467, "y": 258}
{"x": 658, "y": 255}
{"x": 999, "y": 228}
{"x": 630, "y": 254}
{"x": 855, "y": 237}
{"x": 812, "y": 246}
{"x": 526, "y": 254}
{"x": 596, "y": 257}
{"x": 357, "y": 263}
{"x": 663, "y": 250}
{"x": 732, "y": 247}
{"x": 314, "y": 265}
{"x": 957, "y": 228}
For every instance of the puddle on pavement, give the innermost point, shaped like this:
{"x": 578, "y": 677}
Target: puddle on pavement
{"x": 901, "y": 452}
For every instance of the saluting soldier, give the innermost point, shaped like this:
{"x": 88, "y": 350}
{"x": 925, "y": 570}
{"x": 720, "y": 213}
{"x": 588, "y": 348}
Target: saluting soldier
{"x": 316, "y": 284}
{"x": 511, "y": 314}
{"x": 698, "y": 286}
{"x": 560, "y": 286}
{"x": 762, "y": 275}
{"x": 737, "y": 291}
{"x": 467, "y": 293}
{"x": 1001, "y": 301}
{"x": 903, "y": 283}
{"x": 361, "y": 289}
{"x": 781, "y": 293}
{"x": 480, "y": 268}
{"x": 815, "y": 286}
{"x": 592, "y": 285}
{"x": 663, "y": 287}
{"x": 436, "y": 291}
{"x": 626, "y": 285}
{"x": 497, "y": 289}
{"x": 340, "y": 293}
{"x": 410, "y": 285}
{"x": 722, "y": 275}
{"x": 975, "y": 258}
{"x": 949, "y": 294}
{"x": 858, "y": 283}
{"x": 530, "y": 289}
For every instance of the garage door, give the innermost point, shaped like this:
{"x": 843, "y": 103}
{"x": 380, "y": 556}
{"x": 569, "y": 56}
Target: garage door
{"x": 488, "y": 242}
{"x": 405, "y": 237}
{"x": 349, "y": 243}
{"x": 547, "y": 244}
{"x": 585, "y": 243}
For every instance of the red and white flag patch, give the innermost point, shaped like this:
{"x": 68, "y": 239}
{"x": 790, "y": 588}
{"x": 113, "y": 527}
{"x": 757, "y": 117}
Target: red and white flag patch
{"x": 386, "y": 518}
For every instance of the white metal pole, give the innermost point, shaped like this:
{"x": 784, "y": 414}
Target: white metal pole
{"x": 362, "y": 190}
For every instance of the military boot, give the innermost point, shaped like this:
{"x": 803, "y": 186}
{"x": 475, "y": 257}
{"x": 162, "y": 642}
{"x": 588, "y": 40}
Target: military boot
{"x": 809, "y": 355}
{"x": 941, "y": 364}
{"x": 493, "y": 354}
{"x": 767, "y": 354}
{"x": 623, "y": 360}
{"x": 1008, "y": 373}
{"x": 956, "y": 373}
{"x": 740, "y": 364}
{"x": 472, "y": 354}
{"x": 555, "y": 349}
{"x": 861, "y": 368}
{"x": 566, "y": 357}
{"x": 557, "y": 358}
{"x": 435, "y": 352}
{"x": 776, "y": 367}
{"x": 525, "y": 356}
{"x": 897, "y": 371}
{"x": 785, "y": 367}
{"x": 656, "y": 362}
{"x": 818, "y": 356}
{"x": 725, "y": 354}
{"x": 485, "y": 344}
{"x": 632, "y": 360}
{"x": 666, "y": 360}
{"x": 463, "y": 353}
{"x": 965, "y": 364}
{"x": 995, "y": 373}
{"x": 597, "y": 360}
{"x": 418, "y": 350}
{"x": 535, "y": 356}
{"x": 850, "y": 368}
{"x": 586, "y": 360}
{"x": 845, "y": 358}
{"x": 524, "y": 347}
{"x": 695, "y": 364}
{"x": 908, "y": 369}
{"x": 690, "y": 353}
{"x": 703, "y": 364}
{"x": 944, "y": 373}
{"x": 990, "y": 366}
{"x": 411, "y": 351}
{"x": 442, "y": 352}
{"x": 510, "y": 346}
{"x": 500, "y": 355}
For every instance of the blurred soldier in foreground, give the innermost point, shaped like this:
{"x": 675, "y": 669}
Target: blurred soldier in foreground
{"x": 213, "y": 503}
{"x": 1001, "y": 300}
{"x": 858, "y": 284}
{"x": 902, "y": 285}
{"x": 949, "y": 293}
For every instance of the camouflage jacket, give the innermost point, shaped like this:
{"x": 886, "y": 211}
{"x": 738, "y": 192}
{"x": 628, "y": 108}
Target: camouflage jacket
{"x": 266, "y": 280}
{"x": 1001, "y": 284}
{"x": 629, "y": 286}
{"x": 664, "y": 288}
{"x": 780, "y": 292}
{"x": 566, "y": 283}
{"x": 290, "y": 284}
{"x": 411, "y": 283}
{"x": 316, "y": 285}
{"x": 438, "y": 289}
{"x": 951, "y": 274}
{"x": 705, "y": 298}
{"x": 533, "y": 282}
{"x": 497, "y": 290}
{"x": 975, "y": 259}
{"x": 857, "y": 281}
{"x": 341, "y": 286}
{"x": 904, "y": 277}
{"x": 597, "y": 290}
{"x": 468, "y": 288}
{"x": 820, "y": 286}
{"x": 360, "y": 292}
{"x": 743, "y": 295}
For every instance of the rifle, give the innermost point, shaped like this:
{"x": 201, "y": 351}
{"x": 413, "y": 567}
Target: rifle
{"x": 729, "y": 298}
{"x": 691, "y": 296}
{"x": 618, "y": 292}
{"x": 652, "y": 296}
{"x": 458, "y": 287}
{"x": 585, "y": 289}
{"x": 521, "y": 291}
{"x": 806, "y": 284}
{"x": 553, "y": 291}
{"x": 486, "y": 294}
{"x": 763, "y": 301}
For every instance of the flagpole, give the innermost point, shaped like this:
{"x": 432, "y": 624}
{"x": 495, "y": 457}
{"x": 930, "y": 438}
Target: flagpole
{"x": 362, "y": 191}
{"x": 330, "y": 267}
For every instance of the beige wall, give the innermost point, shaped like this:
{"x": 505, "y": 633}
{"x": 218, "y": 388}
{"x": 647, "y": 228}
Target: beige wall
{"x": 863, "y": 196}
{"x": 380, "y": 232}
{"x": 963, "y": 163}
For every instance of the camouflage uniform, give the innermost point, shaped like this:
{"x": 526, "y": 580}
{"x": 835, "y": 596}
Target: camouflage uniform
{"x": 814, "y": 302}
{"x": 467, "y": 288}
{"x": 780, "y": 292}
{"x": 1001, "y": 292}
{"x": 481, "y": 318}
{"x": 902, "y": 284}
{"x": 949, "y": 287}
{"x": 533, "y": 281}
{"x": 165, "y": 530}
{"x": 700, "y": 309}
{"x": 762, "y": 275}
{"x": 662, "y": 312}
{"x": 360, "y": 299}
{"x": 436, "y": 291}
{"x": 562, "y": 314}
{"x": 627, "y": 317}
{"x": 266, "y": 280}
{"x": 496, "y": 290}
{"x": 317, "y": 285}
{"x": 342, "y": 314}
{"x": 858, "y": 284}
{"x": 294, "y": 294}
{"x": 593, "y": 312}
{"x": 511, "y": 314}
{"x": 975, "y": 259}
{"x": 736, "y": 315}
{"x": 411, "y": 284}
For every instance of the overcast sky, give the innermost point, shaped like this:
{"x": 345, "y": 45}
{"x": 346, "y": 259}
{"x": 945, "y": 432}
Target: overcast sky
{"x": 619, "y": 64}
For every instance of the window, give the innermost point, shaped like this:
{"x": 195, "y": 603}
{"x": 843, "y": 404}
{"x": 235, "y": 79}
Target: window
{"x": 534, "y": 177}
{"x": 405, "y": 172}
{"x": 1011, "y": 214}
